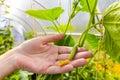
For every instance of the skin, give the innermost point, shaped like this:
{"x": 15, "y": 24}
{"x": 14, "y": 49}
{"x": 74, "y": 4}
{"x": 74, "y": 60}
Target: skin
{"x": 39, "y": 56}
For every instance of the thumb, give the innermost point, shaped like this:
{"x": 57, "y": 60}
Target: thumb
{"x": 52, "y": 38}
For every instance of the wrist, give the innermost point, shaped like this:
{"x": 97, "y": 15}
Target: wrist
{"x": 7, "y": 63}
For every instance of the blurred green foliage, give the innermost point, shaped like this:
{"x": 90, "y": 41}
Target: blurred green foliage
{"x": 28, "y": 35}
{"x": 6, "y": 40}
{"x": 101, "y": 66}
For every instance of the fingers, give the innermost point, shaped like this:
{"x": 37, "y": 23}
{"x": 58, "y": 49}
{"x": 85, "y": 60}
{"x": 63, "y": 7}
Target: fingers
{"x": 57, "y": 69}
{"x": 64, "y": 49}
{"x": 66, "y": 68}
{"x": 51, "y": 38}
{"x": 84, "y": 54}
{"x": 78, "y": 62}
{"x": 81, "y": 49}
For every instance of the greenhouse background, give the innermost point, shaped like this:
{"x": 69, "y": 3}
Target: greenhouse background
{"x": 17, "y": 25}
{"x": 22, "y": 22}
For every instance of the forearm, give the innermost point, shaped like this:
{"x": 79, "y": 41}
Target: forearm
{"x": 7, "y": 64}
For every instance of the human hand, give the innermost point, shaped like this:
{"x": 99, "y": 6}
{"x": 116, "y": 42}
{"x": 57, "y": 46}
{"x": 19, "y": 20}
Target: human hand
{"x": 38, "y": 56}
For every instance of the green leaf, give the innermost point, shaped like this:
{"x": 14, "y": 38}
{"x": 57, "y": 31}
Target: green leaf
{"x": 92, "y": 41}
{"x": 24, "y": 75}
{"x": 85, "y": 6}
{"x": 78, "y": 8}
{"x": 61, "y": 27}
{"x": 14, "y": 77}
{"x": 28, "y": 35}
{"x": 66, "y": 41}
{"x": 112, "y": 30}
{"x": 53, "y": 77}
{"x": 47, "y": 14}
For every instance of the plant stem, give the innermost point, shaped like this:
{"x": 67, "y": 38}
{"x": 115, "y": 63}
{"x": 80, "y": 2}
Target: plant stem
{"x": 71, "y": 16}
{"x": 62, "y": 76}
{"x": 72, "y": 54}
{"x": 88, "y": 6}
{"x": 79, "y": 43}
{"x": 111, "y": 22}
{"x": 84, "y": 34}
{"x": 105, "y": 65}
{"x": 56, "y": 27}
{"x": 77, "y": 77}
{"x": 50, "y": 77}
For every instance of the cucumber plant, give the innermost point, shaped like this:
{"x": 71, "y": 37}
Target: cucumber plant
{"x": 107, "y": 44}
